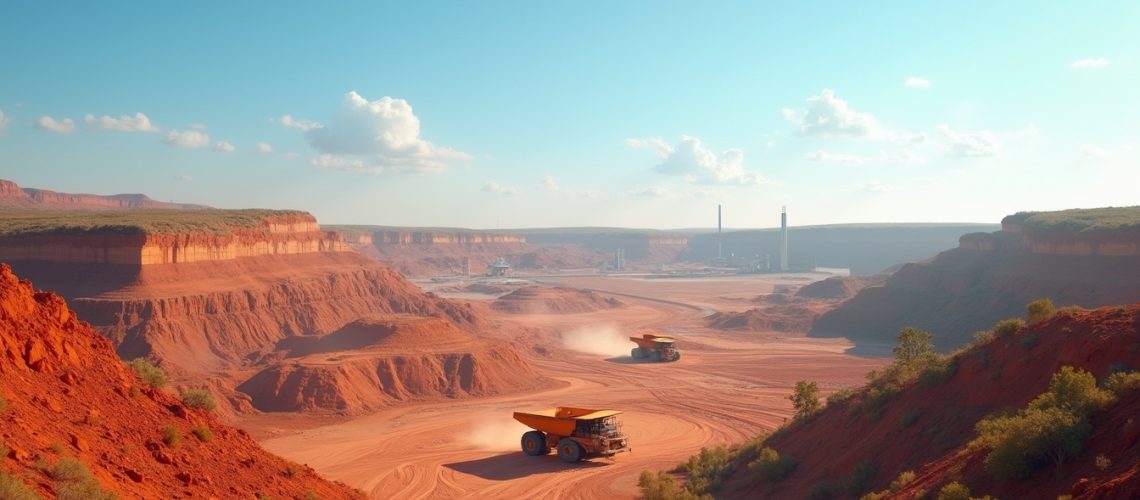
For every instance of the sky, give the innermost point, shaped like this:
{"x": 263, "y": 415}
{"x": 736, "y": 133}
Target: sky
{"x": 552, "y": 114}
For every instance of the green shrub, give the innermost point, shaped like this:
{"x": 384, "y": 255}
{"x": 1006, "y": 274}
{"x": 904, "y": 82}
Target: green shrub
{"x": 1074, "y": 390}
{"x": 1007, "y": 327}
{"x": 914, "y": 344}
{"x": 171, "y": 437}
{"x": 904, "y": 478}
{"x": 148, "y": 373}
{"x": 770, "y": 466}
{"x": 199, "y": 398}
{"x": 954, "y": 491}
{"x": 1040, "y": 310}
{"x": 805, "y": 399}
{"x": 1021, "y": 443}
{"x": 938, "y": 370}
{"x": 1122, "y": 383}
{"x": 86, "y": 490}
{"x": 204, "y": 434}
{"x": 73, "y": 481}
{"x": 707, "y": 469}
{"x": 662, "y": 487}
{"x": 14, "y": 489}
{"x": 984, "y": 337}
{"x": 860, "y": 478}
{"x": 840, "y": 396}
{"x": 1028, "y": 341}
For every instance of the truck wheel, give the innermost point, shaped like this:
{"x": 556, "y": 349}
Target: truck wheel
{"x": 635, "y": 353}
{"x": 677, "y": 356}
{"x": 569, "y": 450}
{"x": 534, "y": 444}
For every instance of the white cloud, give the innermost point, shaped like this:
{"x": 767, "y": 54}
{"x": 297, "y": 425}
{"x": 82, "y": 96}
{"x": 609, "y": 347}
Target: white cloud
{"x": 303, "y": 125}
{"x": 821, "y": 156}
{"x": 1090, "y": 63}
{"x": 917, "y": 82}
{"x": 264, "y": 147}
{"x": 334, "y": 162}
{"x": 4, "y": 120}
{"x": 384, "y": 134}
{"x": 496, "y": 188}
{"x": 697, "y": 164}
{"x": 187, "y": 139}
{"x": 125, "y": 123}
{"x": 652, "y": 192}
{"x": 829, "y": 116}
{"x": 970, "y": 144}
{"x": 548, "y": 184}
{"x": 64, "y": 126}
{"x": 224, "y": 147}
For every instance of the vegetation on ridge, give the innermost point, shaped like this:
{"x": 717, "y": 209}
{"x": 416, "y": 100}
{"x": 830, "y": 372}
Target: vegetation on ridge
{"x": 1080, "y": 219}
{"x": 21, "y": 222}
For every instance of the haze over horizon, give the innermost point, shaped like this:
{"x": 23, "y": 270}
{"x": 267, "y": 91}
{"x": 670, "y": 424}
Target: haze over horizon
{"x": 634, "y": 114}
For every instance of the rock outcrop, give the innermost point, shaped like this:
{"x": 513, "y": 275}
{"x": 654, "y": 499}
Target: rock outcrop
{"x": 67, "y": 395}
{"x": 990, "y": 277}
{"x": 12, "y": 195}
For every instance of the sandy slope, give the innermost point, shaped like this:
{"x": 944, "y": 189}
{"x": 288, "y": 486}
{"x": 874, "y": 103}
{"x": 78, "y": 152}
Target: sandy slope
{"x": 727, "y": 387}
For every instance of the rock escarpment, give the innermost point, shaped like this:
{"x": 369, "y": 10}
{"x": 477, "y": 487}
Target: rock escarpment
{"x": 12, "y": 195}
{"x": 992, "y": 276}
{"x": 67, "y": 395}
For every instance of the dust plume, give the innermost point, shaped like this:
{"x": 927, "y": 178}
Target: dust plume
{"x": 496, "y": 435}
{"x": 601, "y": 340}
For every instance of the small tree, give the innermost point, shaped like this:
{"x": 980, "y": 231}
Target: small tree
{"x": 1074, "y": 390}
{"x": 954, "y": 491}
{"x": 1040, "y": 310}
{"x": 914, "y": 345}
{"x": 805, "y": 398}
{"x": 1007, "y": 327}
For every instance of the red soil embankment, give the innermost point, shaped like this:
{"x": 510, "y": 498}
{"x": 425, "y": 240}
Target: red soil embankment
{"x": 927, "y": 426}
{"x": 68, "y": 394}
{"x": 553, "y": 300}
{"x": 792, "y": 313}
{"x": 376, "y": 362}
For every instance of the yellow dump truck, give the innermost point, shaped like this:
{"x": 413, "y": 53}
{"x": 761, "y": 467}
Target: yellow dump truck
{"x": 576, "y": 433}
{"x": 655, "y": 348}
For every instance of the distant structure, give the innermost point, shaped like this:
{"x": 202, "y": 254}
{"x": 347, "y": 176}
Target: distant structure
{"x": 619, "y": 259}
{"x": 498, "y": 268}
{"x": 719, "y": 246}
{"x": 784, "y": 238}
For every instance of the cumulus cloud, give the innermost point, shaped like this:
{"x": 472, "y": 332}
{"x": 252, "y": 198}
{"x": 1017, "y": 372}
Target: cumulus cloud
{"x": 334, "y": 162}
{"x": 970, "y": 144}
{"x": 224, "y": 147}
{"x": 548, "y": 183}
{"x": 383, "y": 134}
{"x": 187, "y": 139}
{"x": 917, "y": 82}
{"x": 496, "y": 188}
{"x": 829, "y": 116}
{"x": 1090, "y": 63}
{"x": 697, "y": 164}
{"x": 125, "y": 123}
{"x": 822, "y": 156}
{"x": 64, "y": 126}
{"x": 304, "y": 125}
{"x": 264, "y": 147}
{"x": 652, "y": 192}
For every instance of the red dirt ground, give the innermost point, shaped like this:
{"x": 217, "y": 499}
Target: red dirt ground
{"x": 553, "y": 300}
{"x": 1001, "y": 376}
{"x": 68, "y": 394}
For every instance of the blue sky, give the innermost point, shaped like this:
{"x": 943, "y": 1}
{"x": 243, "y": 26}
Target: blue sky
{"x": 530, "y": 114}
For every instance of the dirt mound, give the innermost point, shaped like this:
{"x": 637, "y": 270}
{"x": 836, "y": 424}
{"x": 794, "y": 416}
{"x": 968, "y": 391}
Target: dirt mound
{"x": 926, "y": 427}
{"x": 792, "y": 318}
{"x": 969, "y": 288}
{"x": 68, "y": 395}
{"x": 485, "y": 289}
{"x": 553, "y": 300}
{"x": 379, "y": 361}
{"x": 838, "y": 287}
{"x": 12, "y": 195}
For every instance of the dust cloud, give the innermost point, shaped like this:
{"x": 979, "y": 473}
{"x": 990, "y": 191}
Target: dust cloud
{"x": 497, "y": 435}
{"x": 601, "y": 340}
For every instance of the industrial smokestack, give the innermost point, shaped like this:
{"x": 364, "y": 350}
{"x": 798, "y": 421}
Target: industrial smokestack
{"x": 783, "y": 238}
{"x": 719, "y": 247}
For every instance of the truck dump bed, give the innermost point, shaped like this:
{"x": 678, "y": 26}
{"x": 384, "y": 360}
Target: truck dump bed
{"x": 560, "y": 420}
{"x": 649, "y": 341}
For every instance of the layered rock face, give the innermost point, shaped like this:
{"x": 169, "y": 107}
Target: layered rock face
{"x": 12, "y": 195}
{"x": 67, "y": 394}
{"x": 989, "y": 277}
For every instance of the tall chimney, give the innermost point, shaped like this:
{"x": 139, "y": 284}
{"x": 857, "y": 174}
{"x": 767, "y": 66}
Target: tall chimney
{"x": 719, "y": 245}
{"x": 783, "y": 238}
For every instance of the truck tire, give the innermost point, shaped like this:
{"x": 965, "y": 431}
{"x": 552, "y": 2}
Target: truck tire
{"x": 569, "y": 450}
{"x": 635, "y": 353}
{"x": 534, "y": 444}
{"x": 677, "y": 356}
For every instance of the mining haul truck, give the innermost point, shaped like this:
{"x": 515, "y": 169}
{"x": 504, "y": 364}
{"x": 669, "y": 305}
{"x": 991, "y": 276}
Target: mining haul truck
{"x": 576, "y": 433}
{"x": 655, "y": 348}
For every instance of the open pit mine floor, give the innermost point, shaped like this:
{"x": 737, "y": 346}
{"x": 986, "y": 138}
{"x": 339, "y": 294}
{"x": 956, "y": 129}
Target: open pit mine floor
{"x": 727, "y": 387}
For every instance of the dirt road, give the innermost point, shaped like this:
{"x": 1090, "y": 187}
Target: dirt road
{"x": 726, "y": 388}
